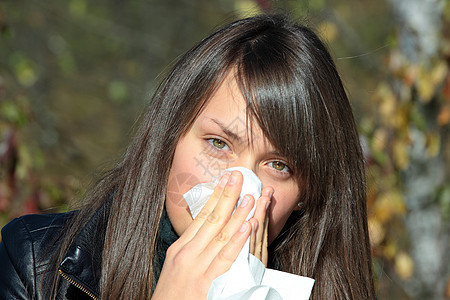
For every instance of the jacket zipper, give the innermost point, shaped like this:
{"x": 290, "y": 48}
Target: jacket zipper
{"x": 76, "y": 284}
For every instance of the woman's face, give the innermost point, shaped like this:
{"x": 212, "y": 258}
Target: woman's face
{"x": 219, "y": 139}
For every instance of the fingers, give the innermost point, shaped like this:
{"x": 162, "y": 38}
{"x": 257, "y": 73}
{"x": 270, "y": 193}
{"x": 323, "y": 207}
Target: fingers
{"x": 259, "y": 239}
{"x": 228, "y": 254}
{"x": 224, "y": 248}
{"x": 230, "y": 229}
{"x": 193, "y": 228}
{"x": 254, "y": 224}
{"x": 265, "y": 245}
{"x": 211, "y": 221}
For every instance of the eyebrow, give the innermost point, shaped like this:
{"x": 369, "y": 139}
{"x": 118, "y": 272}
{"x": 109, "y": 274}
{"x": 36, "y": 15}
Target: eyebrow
{"x": 227, "y": 131}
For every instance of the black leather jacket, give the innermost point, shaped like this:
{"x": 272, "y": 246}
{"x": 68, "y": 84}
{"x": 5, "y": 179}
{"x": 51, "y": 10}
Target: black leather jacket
{"x": 26, "y": 249}
{"x": 27, "y": 245}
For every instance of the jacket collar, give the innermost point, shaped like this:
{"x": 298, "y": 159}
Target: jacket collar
{"x": 82, "y": 264}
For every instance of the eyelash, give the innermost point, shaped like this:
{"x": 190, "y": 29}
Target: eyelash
{"x": 288, "y": 170}
{"x": 211, "y": 143}
{"x": 217, "y": 149}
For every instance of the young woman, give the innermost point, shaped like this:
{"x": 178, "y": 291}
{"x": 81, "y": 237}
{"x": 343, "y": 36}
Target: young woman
{"x": 261, "y": 93}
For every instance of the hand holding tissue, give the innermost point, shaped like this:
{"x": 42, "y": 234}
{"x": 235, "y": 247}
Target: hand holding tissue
{"x": 248, "y": 278}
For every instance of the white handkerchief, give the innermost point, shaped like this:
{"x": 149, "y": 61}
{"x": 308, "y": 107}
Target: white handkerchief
{"x": 197, "y": 197}
{"x": 248, "y": 278}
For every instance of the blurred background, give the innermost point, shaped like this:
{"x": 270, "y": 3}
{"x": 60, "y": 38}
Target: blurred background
{"x": 75, "y": 74}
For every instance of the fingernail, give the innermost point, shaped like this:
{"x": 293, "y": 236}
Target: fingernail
{"x": 270, "y": 194}
{"x": 233, "y": 179}
{"x": 256, "y": 226}
{"x": 245, "y": 201}
{"x": 267, "y": 204}
{"x": 224, "y": 179}
{"x": 243, "y": 227}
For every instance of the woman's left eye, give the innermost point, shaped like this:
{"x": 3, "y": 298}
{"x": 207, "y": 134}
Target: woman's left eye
{"x": 279, "y": 166}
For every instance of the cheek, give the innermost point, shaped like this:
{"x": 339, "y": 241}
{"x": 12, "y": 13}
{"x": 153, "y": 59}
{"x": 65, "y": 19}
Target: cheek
{"x": 181, "y": 179}
{"x": 185, "y": 173}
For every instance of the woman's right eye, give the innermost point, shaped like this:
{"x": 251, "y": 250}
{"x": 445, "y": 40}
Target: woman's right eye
{"x": 218, "y": 144}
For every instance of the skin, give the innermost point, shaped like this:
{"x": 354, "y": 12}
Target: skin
{"x": 219, "y": 139}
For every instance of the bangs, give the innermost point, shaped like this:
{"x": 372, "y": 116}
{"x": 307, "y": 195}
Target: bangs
{"x": 269, "y": 84}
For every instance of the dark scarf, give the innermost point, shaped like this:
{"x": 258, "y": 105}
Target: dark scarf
{"x": 166, "y": 237}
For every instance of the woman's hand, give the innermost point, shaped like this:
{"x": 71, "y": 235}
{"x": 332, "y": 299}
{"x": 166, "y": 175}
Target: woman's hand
{"x": 209, "y": 245}
{"x": 260, "y": 226}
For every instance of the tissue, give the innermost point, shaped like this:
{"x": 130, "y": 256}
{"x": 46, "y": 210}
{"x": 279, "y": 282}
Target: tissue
{"x": 248, "y": 278}
{"x": 197, "y": 197}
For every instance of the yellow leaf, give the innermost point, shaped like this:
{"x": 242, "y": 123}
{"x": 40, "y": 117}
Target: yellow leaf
{"x": 246, "y": 8}
{"x": 404, "y": 265}
{"x": 400, "y": 119}
{"x": 376, "y": 232}
{"x": 390, "y": 250}
{"x": 425, "y": 88}
{"x": 433, "y": 144}
{"x": 379, "y": 139}
{"x": 387, "y": 102}
{"x": 328, "y": 30}
{"x": 439, "y": 72}
{"x": 425, "y": 85}
{"x": 388, "y": 205}
{"x": 401, "y": 154}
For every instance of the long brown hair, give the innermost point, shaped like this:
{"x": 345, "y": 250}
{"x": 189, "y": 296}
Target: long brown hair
{"x": 295, "y": 94}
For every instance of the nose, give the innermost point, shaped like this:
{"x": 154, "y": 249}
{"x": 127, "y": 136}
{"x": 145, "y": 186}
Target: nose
{"x": 246, "y": 161}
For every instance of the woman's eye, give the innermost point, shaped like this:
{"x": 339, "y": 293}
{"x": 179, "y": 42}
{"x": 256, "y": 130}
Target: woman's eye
{"x": 216, "y": 143}
{"x": 279, "y": 166}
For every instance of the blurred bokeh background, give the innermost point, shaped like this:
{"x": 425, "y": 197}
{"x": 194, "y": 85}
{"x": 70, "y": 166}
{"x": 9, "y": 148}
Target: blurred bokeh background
{"x": 75, "y": 74}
